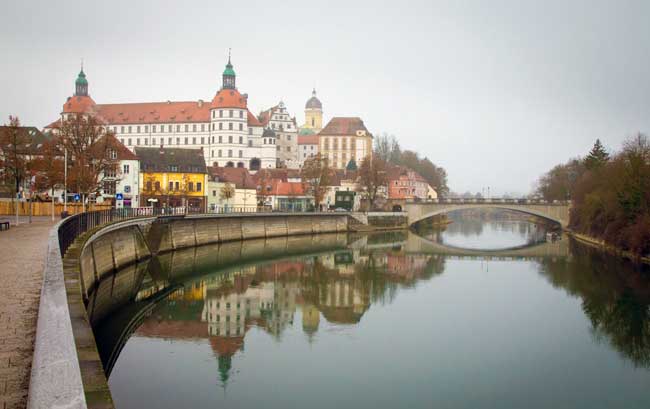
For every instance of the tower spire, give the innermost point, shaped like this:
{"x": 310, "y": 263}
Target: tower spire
{"x": 81, "y": 84}
{"x": 229, "y": 75}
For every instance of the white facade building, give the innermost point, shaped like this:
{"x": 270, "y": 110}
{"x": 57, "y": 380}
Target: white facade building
{"x": 279, "y": 121}
{"x": 228, "y": 133}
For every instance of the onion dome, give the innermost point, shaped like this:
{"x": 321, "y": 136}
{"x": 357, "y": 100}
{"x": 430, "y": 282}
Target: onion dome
{"x": 313, "y": 102}
{"x": 229, "y": 77}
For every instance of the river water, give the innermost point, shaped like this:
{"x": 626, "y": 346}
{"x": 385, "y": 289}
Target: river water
{"x": 395, "y": 320}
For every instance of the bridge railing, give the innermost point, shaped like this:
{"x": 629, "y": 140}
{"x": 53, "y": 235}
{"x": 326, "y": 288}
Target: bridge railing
{"x": 491, "y": 200}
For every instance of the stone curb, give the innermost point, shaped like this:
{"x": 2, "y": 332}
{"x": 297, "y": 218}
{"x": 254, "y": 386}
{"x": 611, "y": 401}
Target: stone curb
{"x": 56, "y": 376}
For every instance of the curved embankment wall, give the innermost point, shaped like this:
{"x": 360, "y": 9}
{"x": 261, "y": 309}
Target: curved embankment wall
{"x": 122, "y": 244}
{"x": 108, "y": 248}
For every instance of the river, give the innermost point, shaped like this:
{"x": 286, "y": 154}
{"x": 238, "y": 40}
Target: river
{"x": 480, "y": 315}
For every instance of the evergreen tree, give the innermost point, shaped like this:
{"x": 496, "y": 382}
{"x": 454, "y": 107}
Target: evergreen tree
{"x": 597, "y": 156}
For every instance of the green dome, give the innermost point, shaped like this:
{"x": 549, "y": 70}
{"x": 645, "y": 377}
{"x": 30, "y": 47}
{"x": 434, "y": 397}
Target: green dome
{"x": 81, "y": 79}
{"x": 229, "y": 70}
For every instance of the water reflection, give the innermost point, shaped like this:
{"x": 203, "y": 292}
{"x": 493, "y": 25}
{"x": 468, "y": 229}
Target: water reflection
{"x": 291, "y": 291}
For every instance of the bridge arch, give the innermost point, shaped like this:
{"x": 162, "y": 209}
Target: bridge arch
{"x": 554, "y": 212}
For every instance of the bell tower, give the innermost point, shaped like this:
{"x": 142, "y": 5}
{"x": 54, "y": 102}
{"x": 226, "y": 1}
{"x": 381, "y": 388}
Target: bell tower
{"x": 229, "y": 75}
{"x": 81, "y": 84}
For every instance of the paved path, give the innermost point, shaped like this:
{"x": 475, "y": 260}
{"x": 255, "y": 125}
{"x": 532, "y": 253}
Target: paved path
{"x": 22, "y": 254}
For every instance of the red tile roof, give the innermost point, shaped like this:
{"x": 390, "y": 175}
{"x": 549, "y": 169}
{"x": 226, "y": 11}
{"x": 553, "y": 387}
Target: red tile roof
{"x": 78, "y": 105}
{"x": 147, "y": 112}
{"x": 229, "y": 98}
{"x": 240, "y": 177}
{"x": 280, "y": 188}
{"x": 307, "y": 139}
{"x": 252, "y": 120}
{"x": 344, "y": 126}
{"x": 123, "y": 153}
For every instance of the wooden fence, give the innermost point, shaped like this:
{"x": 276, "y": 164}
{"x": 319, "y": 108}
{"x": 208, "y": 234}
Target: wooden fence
{"x": 45, "y": 208}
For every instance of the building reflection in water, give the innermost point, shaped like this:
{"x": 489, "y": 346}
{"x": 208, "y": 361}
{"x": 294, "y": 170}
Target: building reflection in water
{"x": 335, "y": 280}
{"x": 337, "y": 287}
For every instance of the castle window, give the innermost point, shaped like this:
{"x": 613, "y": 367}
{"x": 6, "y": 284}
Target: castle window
{"x": 202, "y": 127}
{"x": 169, "y": 141}
{"x": 153, "y": 141}
{"x": 250, "y": 143}
{"x": 146, "y": 141}
{"x": 241, "y": 153}
{"x": 241, "y": 127}
{"x": 129, "y": 128}
{"x": 178, "y": 128}
{"x": 288, "y": 137}
{"x": 129, "y": 141}
{"x": 186, "y": 140}
{"x": 312, "y": 122}
{"x": 202, "y": 140}
{"x": 194, "y": 128}
{"x": 178, "y": 141}
{"x": 230, "y": 153}
{"x": 230, "y": 126}
{"x": 220, "y": 126}
{"x": 241, "y": 139}
{"x": 220, "y": 113}
{"x": 219, "y": 152}
{"x": 230, "y": 113}
{"x": 190, "y": 186}
{"x": 220, "y": 139}
{"x": 229, "y": 138}
{"x": 121, "y": 129}
{"x": 146, "y": 128}
{"x": 198, "y": 186}
{"x": 169, "y": 128}
{"x": 187, "y": 127}
{"x": 213, "y": 114}
{"x": 153, "y": 128}
{"x": 138, "y": 129}
{"x": 250, "y": 131}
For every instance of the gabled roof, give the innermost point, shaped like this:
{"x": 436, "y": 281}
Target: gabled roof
{"x": 123, "y": 153}
{"x": 280, "y": 188}
{"x": 30, "y": 138}
{"x": 161, "y": 160}
{"x": 344, "y": 126}
{"x": 252, "y": 120}
{"x": 239, "y": 177}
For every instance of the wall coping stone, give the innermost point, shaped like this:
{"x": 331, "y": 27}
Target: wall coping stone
{"x": 56, "y": 376}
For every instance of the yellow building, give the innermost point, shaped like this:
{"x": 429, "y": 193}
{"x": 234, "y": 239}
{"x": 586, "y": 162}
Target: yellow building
{"x": 173, "y": 177}
{"x": 313, "y": 116}
{"x": 345, "y": 139}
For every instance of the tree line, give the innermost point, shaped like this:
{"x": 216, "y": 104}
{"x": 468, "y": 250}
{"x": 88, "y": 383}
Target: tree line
{"x": 610, "y": 194}
{"x": 388, "y": 149}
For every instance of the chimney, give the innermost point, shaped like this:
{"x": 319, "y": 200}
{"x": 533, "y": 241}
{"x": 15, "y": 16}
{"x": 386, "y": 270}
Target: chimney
{"x": 200, "y": 103}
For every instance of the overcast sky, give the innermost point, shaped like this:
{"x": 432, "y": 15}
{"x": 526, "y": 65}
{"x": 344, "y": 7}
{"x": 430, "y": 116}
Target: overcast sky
{"x": 496, "y": 92}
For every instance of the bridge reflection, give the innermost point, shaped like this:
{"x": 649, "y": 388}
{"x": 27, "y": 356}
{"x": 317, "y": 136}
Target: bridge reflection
{"x": 219, "y": 292}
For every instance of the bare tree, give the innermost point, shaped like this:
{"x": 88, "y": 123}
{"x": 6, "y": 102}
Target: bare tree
{"x": 227, "y": 192}
{"x": 49, "y": 168}
{"x": 372, "y": 177}
{"x": 92, "y": 154}
{"x": 316, "y": 176}
{"x": 13, "y": 160}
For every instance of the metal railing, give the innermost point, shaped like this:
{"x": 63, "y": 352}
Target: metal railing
{"x": 76, "y": 225}
{"x": 494, "y": 200}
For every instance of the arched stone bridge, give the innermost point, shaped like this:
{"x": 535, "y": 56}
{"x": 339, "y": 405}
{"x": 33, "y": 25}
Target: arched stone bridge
{"x": 557, "y": 212}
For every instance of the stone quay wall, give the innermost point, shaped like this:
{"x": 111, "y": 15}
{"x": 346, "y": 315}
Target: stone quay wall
{"x": 124, "y": 243}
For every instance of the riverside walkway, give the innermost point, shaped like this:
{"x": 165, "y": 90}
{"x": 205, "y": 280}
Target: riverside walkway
{"x": 22, "y": 255}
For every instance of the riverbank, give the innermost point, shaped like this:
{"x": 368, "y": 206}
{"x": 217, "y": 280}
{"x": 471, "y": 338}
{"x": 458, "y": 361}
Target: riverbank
{"x": 594, "y": 242}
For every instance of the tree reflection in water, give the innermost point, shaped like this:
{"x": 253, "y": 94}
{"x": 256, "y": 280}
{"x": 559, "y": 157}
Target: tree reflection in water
{"x": 615, "y": 297}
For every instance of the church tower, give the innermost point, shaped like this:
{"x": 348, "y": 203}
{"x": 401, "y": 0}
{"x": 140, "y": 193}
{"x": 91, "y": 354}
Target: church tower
{"x": 229, "y": 76}
{"x": 313, "y": 113}
{"x": 81, "y": 84}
